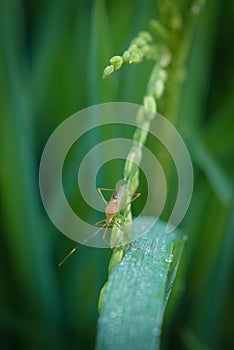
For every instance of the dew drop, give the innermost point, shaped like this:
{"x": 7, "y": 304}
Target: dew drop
{"x": 169, "y": 259}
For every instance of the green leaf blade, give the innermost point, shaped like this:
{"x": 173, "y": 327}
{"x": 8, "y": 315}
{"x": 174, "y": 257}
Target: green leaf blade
{"x": 138, "y": 289}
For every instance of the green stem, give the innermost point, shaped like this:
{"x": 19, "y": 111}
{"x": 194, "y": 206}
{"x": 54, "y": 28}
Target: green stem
{"x": 179, "y": 46}
{"x": 177, "y": 70}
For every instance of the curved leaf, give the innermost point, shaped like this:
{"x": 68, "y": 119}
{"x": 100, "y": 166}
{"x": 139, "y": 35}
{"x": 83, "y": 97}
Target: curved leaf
{"x": 138, "y": 289}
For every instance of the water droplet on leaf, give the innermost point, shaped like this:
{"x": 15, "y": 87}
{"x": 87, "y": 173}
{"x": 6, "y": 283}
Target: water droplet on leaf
{"x": 169, "y": 259}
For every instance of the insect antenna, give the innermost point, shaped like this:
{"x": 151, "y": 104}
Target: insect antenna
{"x": 67, "y": 256}
{"x": 75, "y": 248}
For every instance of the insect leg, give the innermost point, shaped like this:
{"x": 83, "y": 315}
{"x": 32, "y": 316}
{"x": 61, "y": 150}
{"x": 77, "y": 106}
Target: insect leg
{"x": 100, "y": 189}
{"x": 95, "y": 233}
{"x": 125, "y": 233}
{"x": 135, "y": 196}
{"x": 120, "y": 227}
{"x": 104, "y": 237}
{"x": 99, "y": 222}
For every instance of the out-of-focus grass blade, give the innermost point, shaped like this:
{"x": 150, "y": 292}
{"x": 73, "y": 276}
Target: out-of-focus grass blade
{"x": 215, "y": 174}
{"x": 25, "y": 236}
{"x": 221, "y": 124}
{"x": 99, "y": 52}
{"x": 138, "y": 290}
{"x": 212, "y": 275}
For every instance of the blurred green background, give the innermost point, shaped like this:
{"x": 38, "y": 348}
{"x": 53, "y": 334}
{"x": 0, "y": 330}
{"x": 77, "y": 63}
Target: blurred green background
{"x": 52, "y": 54}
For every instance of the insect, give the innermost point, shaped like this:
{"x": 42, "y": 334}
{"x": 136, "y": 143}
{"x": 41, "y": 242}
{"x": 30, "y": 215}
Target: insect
{"x": 118, "y": 216}
{"x": 118, "y": 213}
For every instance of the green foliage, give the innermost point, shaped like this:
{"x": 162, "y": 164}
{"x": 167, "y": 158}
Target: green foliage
{"x": 52, "y": 54}
{"x": 169, "y": 59}
{"x": 138, "y": 290}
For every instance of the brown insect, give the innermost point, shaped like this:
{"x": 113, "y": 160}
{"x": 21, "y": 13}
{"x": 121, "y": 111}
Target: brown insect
{"x": 117, "y": 211}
